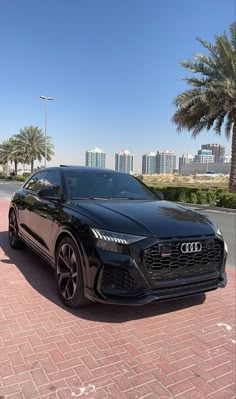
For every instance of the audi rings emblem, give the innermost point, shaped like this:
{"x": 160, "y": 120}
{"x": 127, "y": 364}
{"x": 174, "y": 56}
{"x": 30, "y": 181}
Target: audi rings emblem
{"x": 190, "y": 247}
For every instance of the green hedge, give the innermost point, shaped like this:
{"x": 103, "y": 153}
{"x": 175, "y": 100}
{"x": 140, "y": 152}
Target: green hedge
{"x": 15, "y": 178}
{"x": 215, "y": 197}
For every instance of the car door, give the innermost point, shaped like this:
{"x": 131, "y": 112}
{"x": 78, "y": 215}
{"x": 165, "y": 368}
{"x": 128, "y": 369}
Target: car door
{"x": 45, "y": 213}
{"x": 25, "y": 201}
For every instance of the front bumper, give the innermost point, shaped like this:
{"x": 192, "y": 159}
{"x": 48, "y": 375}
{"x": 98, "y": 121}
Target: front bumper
{"x": 146, "y": 297}
{"x": 123, "y": 278}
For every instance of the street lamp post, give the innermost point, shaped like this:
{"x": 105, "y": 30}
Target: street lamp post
{"x": 46, "y": 99}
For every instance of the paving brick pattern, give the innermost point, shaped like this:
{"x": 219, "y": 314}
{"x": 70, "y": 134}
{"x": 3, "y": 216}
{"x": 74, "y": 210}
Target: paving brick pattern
{"x": 181, "y": 349}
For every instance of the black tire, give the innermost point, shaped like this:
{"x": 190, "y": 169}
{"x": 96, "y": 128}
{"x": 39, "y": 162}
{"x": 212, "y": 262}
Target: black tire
{"x": 14, "y": 239}
{"x": 69, "y": 274}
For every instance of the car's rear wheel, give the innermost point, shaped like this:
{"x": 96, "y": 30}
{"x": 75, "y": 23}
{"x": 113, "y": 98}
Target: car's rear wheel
{"x": 69, "y": 274}
{"x": 14, "y": 239}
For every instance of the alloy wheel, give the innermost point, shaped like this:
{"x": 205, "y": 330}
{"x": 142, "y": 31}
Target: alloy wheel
{"x": 67, "y": 271}
{"x": 12, "y": 228}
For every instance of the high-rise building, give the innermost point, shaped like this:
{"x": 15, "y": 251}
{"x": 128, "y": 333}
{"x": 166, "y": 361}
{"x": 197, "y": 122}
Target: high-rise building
{"x": 225, "y": 159}
{"x": 95, "y": 157}
{"x": 185, "y": 159}
{"x": 165, "y": 161}
{"x": 204, "y": 156}
{"x": 124, "y": 161}
{"x": 149, "y": 163}
{"x": 217, "y": 150}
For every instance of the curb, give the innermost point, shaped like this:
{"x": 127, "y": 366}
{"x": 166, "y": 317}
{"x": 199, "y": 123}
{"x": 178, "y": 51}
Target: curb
{"x": 208, "y": 207}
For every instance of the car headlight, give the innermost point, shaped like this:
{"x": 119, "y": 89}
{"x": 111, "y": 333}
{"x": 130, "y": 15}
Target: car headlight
{"x": 113, "y": 237}
{"x": 226, "y": 247}
{"x": 218, "y": 232}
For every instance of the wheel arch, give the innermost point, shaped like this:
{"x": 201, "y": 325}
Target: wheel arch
{"x": 12, "y": 208}
{"x": 67, "y": 232}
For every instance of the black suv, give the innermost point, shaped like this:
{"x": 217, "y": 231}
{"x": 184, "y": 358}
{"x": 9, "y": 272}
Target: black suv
{"x": 112, "y": 239}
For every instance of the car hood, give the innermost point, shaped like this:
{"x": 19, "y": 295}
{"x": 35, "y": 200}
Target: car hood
{"x": 145, "y": 218}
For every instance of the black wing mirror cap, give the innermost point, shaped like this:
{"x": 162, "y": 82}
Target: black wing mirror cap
{"x": 159, "y": 194}
{"x": 48, "y": 193}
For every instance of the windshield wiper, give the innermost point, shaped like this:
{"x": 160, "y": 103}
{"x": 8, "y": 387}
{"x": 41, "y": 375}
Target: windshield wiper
{"x": 118, "y": 198}
{"x": 109, "y": 198}
{"x": 131, "y": 198}
{"x": 80, "y": 198}
{"x": 90, "y": 198}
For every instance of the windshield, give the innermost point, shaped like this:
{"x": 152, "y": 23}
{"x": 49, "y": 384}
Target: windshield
{"x": 107, "y": 185}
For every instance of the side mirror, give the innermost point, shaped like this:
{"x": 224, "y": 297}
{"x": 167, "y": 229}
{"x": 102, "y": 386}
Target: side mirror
{"x": 48, "y": 193}
{"x": 160, "y": 195}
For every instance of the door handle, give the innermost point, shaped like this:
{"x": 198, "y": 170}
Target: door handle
{"x": 43, "y": 215}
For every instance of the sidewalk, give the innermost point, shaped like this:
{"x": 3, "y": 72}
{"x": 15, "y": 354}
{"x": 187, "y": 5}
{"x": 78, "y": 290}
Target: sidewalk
{"x": 181, "y": 349}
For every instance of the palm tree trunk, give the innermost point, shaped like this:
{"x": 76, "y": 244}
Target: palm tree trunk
{"x": 32, "y": 165}
{"x": 232, "y": 178}
{"x": 16, "y": 164}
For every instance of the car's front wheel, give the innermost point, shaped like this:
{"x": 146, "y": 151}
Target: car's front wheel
{"x": 69, "y": 274}
{"x": 14, "y": 239}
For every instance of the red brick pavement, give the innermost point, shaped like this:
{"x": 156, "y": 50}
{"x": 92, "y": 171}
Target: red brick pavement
{"x": 181, "y": 349}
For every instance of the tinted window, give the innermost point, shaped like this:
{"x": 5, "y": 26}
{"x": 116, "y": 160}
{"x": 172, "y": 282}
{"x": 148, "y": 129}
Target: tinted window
{"x": 53, "y": 180}
{"x": 105, "y": 185}
{"x": 36, "y": 182}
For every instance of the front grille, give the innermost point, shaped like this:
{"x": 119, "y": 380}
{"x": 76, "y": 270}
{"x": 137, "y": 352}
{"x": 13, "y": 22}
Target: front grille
{"x": 117, "y": 278}
{"x": 165, "y": 260}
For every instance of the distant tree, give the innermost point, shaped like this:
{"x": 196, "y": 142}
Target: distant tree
{"x": 10, "y": 152}
{"x": 32, "y": 140}
{"x": 211, "y": 101}
{"x": 3, "y": 153}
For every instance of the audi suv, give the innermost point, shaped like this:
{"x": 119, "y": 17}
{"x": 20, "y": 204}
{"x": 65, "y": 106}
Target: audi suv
{"x": 112, "y": 239}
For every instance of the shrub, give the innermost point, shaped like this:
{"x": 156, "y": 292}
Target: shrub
{"x": 26, "y": 175}
{"x": 201, "y": 197}
{"x": 16, "y": 178}
{"x": 181, "y": 196}
{"x": 19, "y": 178}
{"x": 227, "y": 200}
{"x": 214, "y": 196}
{"x": 211, "y": 197}
{"x": 172, "y": 195}
{"x": 193, "y": 198}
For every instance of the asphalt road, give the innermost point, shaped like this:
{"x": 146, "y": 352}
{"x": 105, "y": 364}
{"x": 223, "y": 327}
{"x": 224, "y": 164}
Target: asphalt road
{"x": 226, "y": 221}
{"x": 227, "y": 225}
{"x": 7, "y": 188}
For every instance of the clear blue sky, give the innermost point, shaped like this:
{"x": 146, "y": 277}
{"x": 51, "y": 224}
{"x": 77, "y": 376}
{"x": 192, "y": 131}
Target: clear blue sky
{"x": 112, "y": 67}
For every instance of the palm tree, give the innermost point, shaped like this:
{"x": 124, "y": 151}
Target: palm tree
{"x": 6, "y": 153}
{"x": 10, "y": 151}
{"x": 211, "y": 101}
{"x": 16, "y": 153}
{"x": 5, "y": 150}
{"x": 32, "y": 140}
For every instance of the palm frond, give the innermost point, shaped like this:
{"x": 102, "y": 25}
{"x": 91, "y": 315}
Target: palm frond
{"x": 230, "y": 123}
{"x": 197, "y": 82}
{"x": 211, "y": 48}
{"x": 198, "y": 67}
{"x": 233, "y": 35}
{"x": 211, "y": 100}
{"x": 219, "y": 122}
{"x": 224, "y": 46}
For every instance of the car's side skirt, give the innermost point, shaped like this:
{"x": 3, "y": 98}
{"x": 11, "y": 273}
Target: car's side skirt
{"x": 38, "y": 251}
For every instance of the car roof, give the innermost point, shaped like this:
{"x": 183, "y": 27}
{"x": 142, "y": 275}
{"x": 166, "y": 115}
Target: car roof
{"x": 79, "y": 168}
